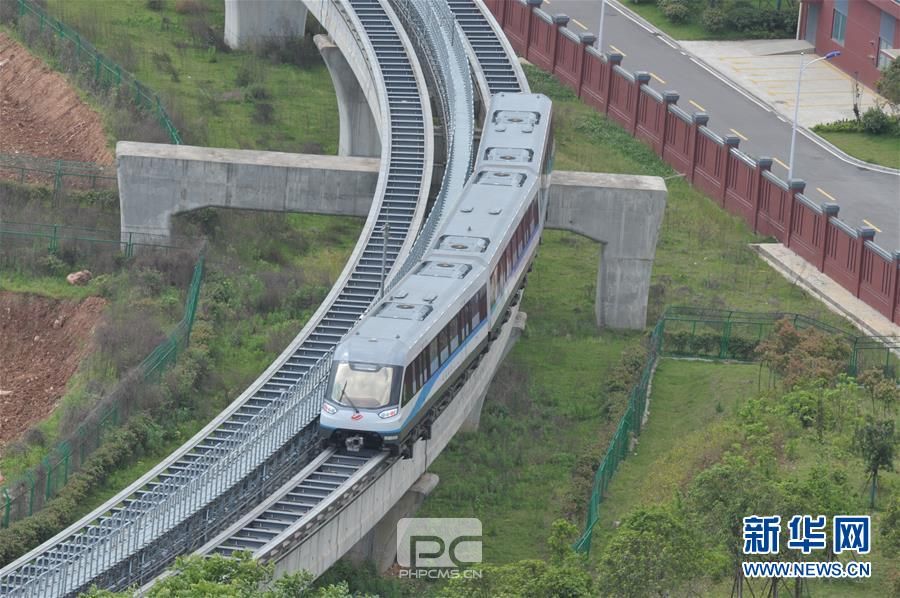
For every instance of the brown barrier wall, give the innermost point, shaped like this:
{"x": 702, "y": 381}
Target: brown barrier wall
{"x": 743, "y": 185}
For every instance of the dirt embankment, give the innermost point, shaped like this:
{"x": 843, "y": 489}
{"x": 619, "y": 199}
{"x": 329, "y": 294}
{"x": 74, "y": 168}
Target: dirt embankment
{"x": 42, "y": 342}
{"x": 40, "y": 113}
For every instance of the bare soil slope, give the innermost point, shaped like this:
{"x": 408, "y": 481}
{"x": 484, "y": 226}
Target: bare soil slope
{"x": 40, "y": 113}
{"x": 42, "y": 342}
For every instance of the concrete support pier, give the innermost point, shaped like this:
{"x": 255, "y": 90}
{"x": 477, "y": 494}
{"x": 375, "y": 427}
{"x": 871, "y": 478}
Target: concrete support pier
{"x": 624, "y": 213}
{"x": 358, "y": 132}
{"x": 379, "y": 545}
{"x": 157, "y": 181}
{"x": 250, "y": 23}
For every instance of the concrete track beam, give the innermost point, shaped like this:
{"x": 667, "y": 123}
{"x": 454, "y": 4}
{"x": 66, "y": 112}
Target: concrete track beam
{"x": 157, "y": 181}
{"x": 358, "y": 132}
{"x": 251, "y": 23}
{"x": 623, "y": 212}
{"x": 379, "y": 545}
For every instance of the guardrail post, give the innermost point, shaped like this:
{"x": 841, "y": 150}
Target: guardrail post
{"x": 54, "y": 239}
{"x": 731, "y": 142}
{"x": 865, "y": 234}
{"x": 57, "y": 179}
{"x": 7, "y": 507}
{"x": 560, "y": 20}
{"x": 640, "y": 78}
{"x": 763, "y": 164}
{"x": 699, "y": 119}
{"x": 829, "y": 210}
{"x": 669, "y": 97}
{"x": 795, "y": 186}
{"x": 612, "y": 61}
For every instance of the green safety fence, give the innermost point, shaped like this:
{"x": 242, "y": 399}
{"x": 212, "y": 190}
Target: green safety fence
{"x": 87, "y": 175}
{"x": 692, "y": 333}
{"x": 105, "y": 72}
{"x": 39, "y": 484}
{"x": 55, "y": 238}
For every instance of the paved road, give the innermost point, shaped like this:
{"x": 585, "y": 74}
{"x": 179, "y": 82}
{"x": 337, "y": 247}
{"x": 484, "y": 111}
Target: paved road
{"x": 867, "y": 198}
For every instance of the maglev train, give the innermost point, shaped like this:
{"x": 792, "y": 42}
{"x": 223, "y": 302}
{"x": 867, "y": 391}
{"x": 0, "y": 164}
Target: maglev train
{"x": 393, "y": 371}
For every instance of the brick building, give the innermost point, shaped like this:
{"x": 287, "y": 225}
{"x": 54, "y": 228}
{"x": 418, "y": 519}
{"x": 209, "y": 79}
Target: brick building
{"x": 866, "y": 32}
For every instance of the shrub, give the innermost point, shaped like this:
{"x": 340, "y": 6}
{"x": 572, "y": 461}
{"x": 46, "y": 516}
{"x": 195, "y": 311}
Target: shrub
{"x": 258, "y": 92}
{"x": 189, "y": 7}
{"x": 715, "y": 20}
{"x": 264, "y": 113}
{"x": 839, "y": 126}
{"x": 677, "y": 11}
{"x": 156, "y": 4}
{"x": 876, "y": 121}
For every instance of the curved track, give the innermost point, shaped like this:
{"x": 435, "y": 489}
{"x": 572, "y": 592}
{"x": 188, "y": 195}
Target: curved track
{"x": 268, "y": 433}
{"x": 253, "y": 444}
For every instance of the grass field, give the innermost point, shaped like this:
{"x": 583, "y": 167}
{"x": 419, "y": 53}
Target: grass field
{"x": 693, "y": 410}
{"x": 877, "y": 149}
{"x": 212, "y": 94}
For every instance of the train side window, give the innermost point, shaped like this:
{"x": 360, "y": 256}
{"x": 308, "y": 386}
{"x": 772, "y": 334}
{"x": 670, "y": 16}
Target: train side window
{"x": 473, "y": 312}
{"x": 408, "y": 384}
{"x": 434, "y": 353}
{"x": 453, "y": 333}
{"x": 482, "y": 304}
{"x": 445, "y": 345}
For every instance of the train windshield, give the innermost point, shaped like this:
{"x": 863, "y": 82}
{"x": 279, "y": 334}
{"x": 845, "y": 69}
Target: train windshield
{"x": 363, "y": 385}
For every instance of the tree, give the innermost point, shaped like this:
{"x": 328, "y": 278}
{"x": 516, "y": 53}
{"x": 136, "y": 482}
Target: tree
{"x": 874, "y": 442}
{"x": 889, "y": 85}
{"x": 890, "y": 527}
{"x": 654, "y": 552}
{"x": 721, "y": 496}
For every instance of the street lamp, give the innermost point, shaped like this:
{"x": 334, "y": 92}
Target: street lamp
{"x": 600, "y": 32}
{"x": 829, "y": 56}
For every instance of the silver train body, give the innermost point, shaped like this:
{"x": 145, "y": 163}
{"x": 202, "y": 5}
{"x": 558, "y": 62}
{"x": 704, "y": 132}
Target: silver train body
{"x": 394, "y": 368}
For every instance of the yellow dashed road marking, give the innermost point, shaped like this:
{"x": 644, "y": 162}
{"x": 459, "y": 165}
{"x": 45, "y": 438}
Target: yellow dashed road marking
{"x": 826, "y": 194}
{"x": 615, "y": 49}
{"x": 697, "y": 106}
{"x": 782, "y": 163}
{"x": 658, "y": 78}
{"x": 579, "y": 23}
{"x": 739, "y": 134}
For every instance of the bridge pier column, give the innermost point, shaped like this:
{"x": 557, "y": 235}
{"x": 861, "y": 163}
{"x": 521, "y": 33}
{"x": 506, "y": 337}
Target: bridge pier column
{"x": 379, "y": 545}
{"x": 624, "y": 213}
{"x": 473, "y": 420}
{"x": 250, "y": 23}
{"x": 358, "y": 133}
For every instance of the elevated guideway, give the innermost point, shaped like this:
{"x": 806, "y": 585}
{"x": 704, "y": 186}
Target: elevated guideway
{"x": 307, "y": 522}
{"x": 266, "y": 435}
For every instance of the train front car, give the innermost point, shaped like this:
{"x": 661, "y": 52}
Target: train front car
{"x": 402, "y": 363}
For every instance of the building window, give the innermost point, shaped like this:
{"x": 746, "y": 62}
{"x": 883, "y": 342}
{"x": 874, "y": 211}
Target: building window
{"x": 839, "y": 27}
{"x": 883, "y": 60}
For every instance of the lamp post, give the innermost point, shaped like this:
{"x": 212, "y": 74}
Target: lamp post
{"x": 600, "y": 32}
{"x": 829, "y": 56}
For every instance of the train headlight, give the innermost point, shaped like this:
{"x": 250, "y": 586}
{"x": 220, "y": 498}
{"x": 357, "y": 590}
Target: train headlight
{"x": 327, "y": 408}
{"x": 388, "y": 413}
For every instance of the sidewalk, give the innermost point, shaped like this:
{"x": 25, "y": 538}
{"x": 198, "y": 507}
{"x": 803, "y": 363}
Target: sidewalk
{"x": 768, "y": 69}
{"x": 834, "y": 296}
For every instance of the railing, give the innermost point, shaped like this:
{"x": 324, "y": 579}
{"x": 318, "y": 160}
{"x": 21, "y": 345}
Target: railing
{"x": 39, "y": 484}
{"x": 27, "y": 169}
{"x": 105, "y": 72}
{"x": 438, "y": 37}
{"x": 53, "y": 238}
{"x": 687, "y": 332}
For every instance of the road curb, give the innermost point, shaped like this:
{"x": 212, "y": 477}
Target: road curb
{"x": 809, "y": 134}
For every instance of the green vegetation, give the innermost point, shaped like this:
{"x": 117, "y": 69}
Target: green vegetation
{"x": 240, "y": 576}
{"x": 792, "y": 446}
{"x": 720, "y": 19}
{"x": 278, "y": 98}
{"x": 256, "y": 297}
{"x": 877, "y": 149}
